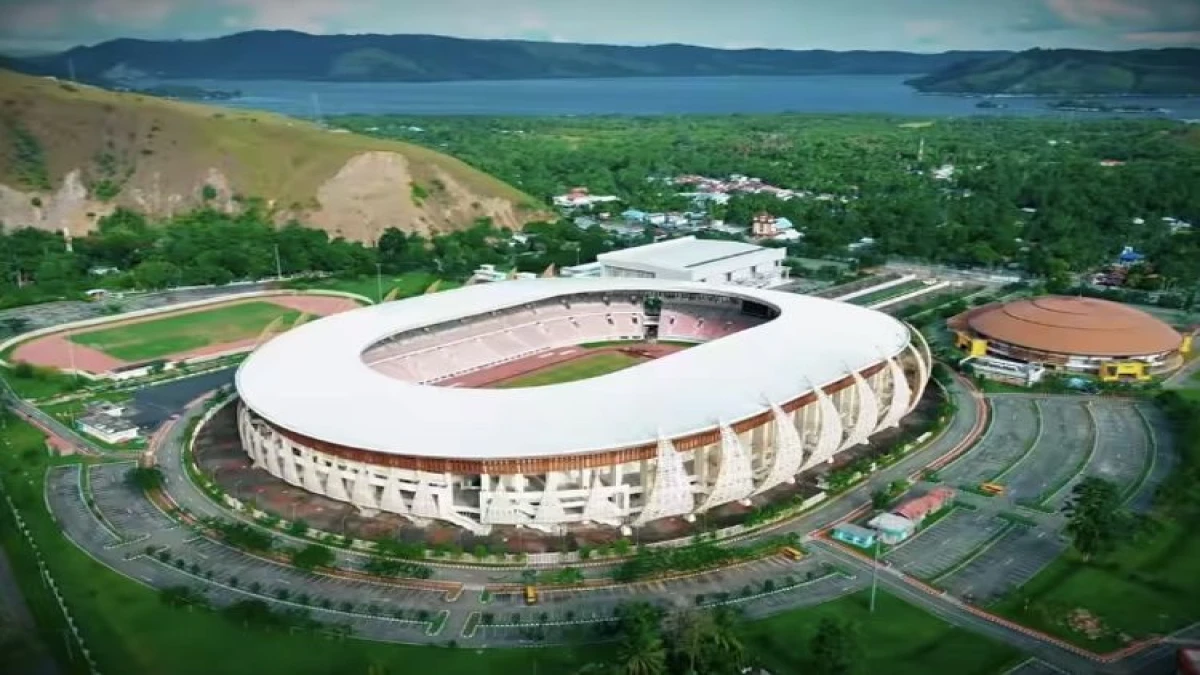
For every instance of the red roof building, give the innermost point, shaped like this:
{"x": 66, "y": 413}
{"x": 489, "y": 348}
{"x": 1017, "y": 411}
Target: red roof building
{"x": 918, "y": 509}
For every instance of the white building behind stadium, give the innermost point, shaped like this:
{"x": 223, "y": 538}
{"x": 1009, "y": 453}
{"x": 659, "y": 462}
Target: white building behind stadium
{"x": 710, "y": 261}
{"x": 350, "y": 406}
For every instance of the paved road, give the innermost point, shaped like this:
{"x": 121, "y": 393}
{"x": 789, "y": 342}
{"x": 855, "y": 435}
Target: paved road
{"x": 121, "y": 524}
{"x": 954, "y": 612}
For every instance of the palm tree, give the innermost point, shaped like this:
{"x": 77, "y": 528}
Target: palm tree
{"x": 642, "y": 653}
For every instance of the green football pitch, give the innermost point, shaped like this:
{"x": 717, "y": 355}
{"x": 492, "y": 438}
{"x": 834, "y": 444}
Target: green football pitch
{"x": 578, "y": 369}
{"x": 156, "y": 338}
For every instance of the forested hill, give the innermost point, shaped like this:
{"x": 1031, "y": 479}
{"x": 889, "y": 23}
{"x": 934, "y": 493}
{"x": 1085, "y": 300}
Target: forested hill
{"x": 292, "y": 55}
{"x": 1072, "y": 71}
{"x": 71, "y": 153}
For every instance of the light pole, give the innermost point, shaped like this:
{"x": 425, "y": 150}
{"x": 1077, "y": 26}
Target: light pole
{"x": 874, "y": 575}
{"x": 379, "y": 282}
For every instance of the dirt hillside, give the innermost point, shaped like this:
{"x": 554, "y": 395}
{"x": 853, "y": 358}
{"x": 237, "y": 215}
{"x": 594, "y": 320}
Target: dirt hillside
{"x": 72, "y": 153}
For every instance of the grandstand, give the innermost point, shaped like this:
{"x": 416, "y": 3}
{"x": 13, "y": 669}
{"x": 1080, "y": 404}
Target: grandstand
{"x": 369, "y": 407}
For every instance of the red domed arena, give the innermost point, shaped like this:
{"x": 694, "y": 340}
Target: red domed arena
{"x": 1072, "y": 335}
{"x": 727, "y": 392}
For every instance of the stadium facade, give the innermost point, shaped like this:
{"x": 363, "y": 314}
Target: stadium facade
{"x": 1071, "y": 336}
{"x": 363, "y": 406}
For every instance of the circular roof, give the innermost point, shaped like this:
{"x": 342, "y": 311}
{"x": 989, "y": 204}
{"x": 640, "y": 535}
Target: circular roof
{"x": 1071, "y": 325}
{"x": 311, "y": 380}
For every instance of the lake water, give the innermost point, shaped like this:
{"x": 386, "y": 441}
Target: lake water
{"x": 638, "y": 96}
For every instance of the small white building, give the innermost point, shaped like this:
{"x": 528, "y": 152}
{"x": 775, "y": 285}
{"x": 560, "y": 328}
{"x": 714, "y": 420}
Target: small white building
{"x": 592, "y": 270}
{"x": 488, "y": 273}
{"x": 106, "y": 422}
{"x": 705, "y": 260}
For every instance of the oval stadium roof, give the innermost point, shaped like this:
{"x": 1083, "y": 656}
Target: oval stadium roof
{"x": 312, "y": 380}
{"x": 1071, "y": 325}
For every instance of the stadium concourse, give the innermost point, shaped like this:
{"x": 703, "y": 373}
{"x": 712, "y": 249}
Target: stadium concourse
{"x": 349, "y": 407}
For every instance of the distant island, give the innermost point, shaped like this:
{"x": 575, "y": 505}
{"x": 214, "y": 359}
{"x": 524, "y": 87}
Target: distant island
{"x": 291, "y": 55}
{"x": 1071, "y": 72}
{"x": 182, "y": 92}
{"x": 1102, "y": 107}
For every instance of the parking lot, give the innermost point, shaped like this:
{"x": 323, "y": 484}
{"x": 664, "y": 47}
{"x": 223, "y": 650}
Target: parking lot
{"x": 1014, "y": 426}
{"x": 1122, "y": 447}
{"x": 945, "y": 544}
{"x": 120, "y": 505}
{"x": 1013, "y": 559}
{"x": 1067, "y": 436}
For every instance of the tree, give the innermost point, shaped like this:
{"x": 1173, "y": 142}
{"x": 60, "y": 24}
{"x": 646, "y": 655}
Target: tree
{"x": 641, "y": 651}
{"x": 145, "y": 478}
{"x": 155, "y": 274}
{"x": 313, "y": 556}
{"x": 834, "y": 648}
{"x": 1095, "y": 520}
{"x": 182, "y": 596}
{"x": 880, "y": 499}
{"x": 707, "y": 642}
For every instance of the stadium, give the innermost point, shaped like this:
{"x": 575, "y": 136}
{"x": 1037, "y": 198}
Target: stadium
{"x": 1072, "y": 335}
{"x": 722, "y": 393}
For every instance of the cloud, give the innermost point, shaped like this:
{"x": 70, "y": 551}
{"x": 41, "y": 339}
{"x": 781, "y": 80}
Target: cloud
{"x": 1164, "y": 38}
{"x": 1124, "y": 15}
{"x": 313, "y": 16}
{"x": 130, "y": 12}
{"x": 38, "y": 18}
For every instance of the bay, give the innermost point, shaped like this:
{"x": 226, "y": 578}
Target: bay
{"x": 882, "y": 94}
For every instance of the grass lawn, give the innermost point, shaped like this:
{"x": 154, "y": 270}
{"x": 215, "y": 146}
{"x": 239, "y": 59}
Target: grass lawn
{"x": 157, "y": 338}
{"x": 1149, "y": 586}
{"x": 45, "y": 383}
{"x": 130, "y": 631}
{"x": 410, "y": 284}
{"x": 578, "y": 369}
{"x": 887, "y": 293}
{"x": 898, "y": 639}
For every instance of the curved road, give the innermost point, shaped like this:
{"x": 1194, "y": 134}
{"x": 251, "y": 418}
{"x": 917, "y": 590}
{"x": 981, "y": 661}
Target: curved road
{"x": 963, "y": 430}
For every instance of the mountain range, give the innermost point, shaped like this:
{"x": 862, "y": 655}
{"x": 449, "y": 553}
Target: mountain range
{"x": 1071, "y": 71}
{"x": 290, "y": 55}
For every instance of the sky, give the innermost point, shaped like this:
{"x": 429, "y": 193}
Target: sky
{"x": 910, "y": 25}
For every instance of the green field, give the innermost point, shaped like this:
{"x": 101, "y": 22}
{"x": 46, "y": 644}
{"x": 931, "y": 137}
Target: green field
{"x": 897, "y": 639}
{"x": 179, "y": 333}
{"x": 1148, "y": 586}
{"x": 579, "y": 369}
{"x": 413, "y": 283}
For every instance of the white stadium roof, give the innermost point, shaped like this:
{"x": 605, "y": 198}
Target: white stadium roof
{"x": 682, "y": 253}
{"x": 312, "y": 380}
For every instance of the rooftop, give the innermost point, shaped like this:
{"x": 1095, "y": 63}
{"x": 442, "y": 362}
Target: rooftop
{"x": 312, "y": 380}
{"x": 682, "y": 253}
{"x": 1074, "y": 325}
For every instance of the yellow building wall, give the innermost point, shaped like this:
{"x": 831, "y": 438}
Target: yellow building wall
{"x": 1116, "y": 370}
{"x": 1186, "y": 346}
{"x": 979, "y": 347}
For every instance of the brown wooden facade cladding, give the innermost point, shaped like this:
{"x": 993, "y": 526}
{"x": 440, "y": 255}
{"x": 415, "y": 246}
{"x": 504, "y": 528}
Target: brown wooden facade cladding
{"x": 540, "y": 465}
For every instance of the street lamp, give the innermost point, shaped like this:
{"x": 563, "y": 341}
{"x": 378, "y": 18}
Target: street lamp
{"x": 874, "y": 575}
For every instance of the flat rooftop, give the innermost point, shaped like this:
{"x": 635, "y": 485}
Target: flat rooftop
{"x": 682, "y": 253}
